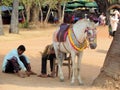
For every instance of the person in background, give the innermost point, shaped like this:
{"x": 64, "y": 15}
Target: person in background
{"x": 15, "y": 61}
{"x": 116, "y": 13}
{"x": 102, "y": 18}
{"x": 48, "y": 54}
{"x": 114, "y": 19}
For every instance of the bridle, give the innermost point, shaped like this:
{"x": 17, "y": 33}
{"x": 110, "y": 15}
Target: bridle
{"x": 90, "y": 37}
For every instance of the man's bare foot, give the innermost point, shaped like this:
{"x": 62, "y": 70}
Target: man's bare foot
{"x": 43, "y": 75}
{"x": 20, "y": 75}
{"x": 51, "y": 75}
{"x": 32, "y": 73}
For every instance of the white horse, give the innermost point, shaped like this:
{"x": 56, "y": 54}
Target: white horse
{"x": 82, "y": 32}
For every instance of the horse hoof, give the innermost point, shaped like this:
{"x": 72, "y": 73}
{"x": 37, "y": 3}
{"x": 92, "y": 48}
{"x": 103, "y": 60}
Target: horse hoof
{"x": 81, "y": 84}
{"x": 61, "y": 80}
{"x": 72, "y": 84}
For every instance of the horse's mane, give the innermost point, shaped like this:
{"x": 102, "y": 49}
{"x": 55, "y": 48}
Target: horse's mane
{"x": 82, "y": 20}
{"x": 88, "y": 22}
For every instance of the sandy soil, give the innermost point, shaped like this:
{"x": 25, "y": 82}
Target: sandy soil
{"x": 35, "y": 40}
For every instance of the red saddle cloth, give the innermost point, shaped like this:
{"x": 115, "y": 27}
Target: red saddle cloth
{"x": 62, "y": 33}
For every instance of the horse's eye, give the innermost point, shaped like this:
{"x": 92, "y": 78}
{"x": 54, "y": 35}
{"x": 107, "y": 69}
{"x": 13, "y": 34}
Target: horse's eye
{"x": 89, "y": 33}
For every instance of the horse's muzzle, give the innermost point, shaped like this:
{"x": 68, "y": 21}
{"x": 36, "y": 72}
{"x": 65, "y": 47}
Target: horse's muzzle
{"x": 93, "y": 45}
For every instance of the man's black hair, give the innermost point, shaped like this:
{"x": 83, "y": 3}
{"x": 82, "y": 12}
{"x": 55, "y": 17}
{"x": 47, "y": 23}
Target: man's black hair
{"x": 21, "y": 47}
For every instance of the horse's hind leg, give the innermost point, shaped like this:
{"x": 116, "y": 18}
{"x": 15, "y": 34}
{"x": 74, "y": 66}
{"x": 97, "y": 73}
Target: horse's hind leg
{"x": 78, "y": 68}
{"x": 60, "y": 62}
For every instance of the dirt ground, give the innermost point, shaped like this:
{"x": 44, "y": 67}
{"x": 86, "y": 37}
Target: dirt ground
{"x": 35, "y": 40}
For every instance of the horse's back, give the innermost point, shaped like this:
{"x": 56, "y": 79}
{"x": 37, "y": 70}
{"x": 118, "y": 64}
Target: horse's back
{"x": 61, "y": 34}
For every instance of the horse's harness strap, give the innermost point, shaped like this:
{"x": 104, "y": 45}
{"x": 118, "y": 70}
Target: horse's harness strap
{"x": 75, "y": 35}
{"x": 65, "y": 48}
{"x": 78, "y": 46}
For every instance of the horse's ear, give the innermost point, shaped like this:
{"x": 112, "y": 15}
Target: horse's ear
{"x": 92, "y": 19}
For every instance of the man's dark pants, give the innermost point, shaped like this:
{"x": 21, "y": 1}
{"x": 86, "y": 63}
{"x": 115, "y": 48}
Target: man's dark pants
{"x": 50, "y": 57}
{"x": 13, "y": 66}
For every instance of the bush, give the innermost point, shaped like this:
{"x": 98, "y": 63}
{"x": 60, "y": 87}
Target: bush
{"x": 24, "y": 24}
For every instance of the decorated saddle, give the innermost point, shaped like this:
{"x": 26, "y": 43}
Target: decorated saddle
{"x": 62, "y": 33}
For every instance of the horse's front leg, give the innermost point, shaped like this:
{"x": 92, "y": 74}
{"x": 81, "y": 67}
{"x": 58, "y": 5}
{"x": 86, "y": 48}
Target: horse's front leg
{"x": 78, "y": 67}
{"x": 73, "y": 68}
{"x": 60, "y": 72}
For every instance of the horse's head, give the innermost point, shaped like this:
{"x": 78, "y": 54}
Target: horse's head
{"x": 91, "y": 36}
{"x": 94, "y": 19}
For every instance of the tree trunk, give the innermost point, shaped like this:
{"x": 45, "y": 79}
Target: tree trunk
{"x": 27, "y": 13}
{"x": 59, "y": 12}
{"x": 41, "y": 14}
{"x": 103, "y": 5}
{"x": 109, "y": 76}
{"x": 14, "y": 18}
{"x": 34, "y": 16}
{"x": 47, "y": 16}
{"x": 1, "y": 25}
{"x": 62, "y": 20}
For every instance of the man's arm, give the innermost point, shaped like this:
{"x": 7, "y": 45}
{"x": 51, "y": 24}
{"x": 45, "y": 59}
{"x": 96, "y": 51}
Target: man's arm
{"x": 21, "y": 64}
{"x": 4, "y": 64}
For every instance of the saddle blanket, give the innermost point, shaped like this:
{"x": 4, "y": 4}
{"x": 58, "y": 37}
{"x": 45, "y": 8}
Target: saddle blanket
{"x": 62, "y": 33}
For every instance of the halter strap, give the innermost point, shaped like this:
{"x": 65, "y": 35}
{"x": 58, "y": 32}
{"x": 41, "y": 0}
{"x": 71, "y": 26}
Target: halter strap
{"x": 75, "y": 36}
{"x": 86, "y": 30}
{"x": 65, "y": 48}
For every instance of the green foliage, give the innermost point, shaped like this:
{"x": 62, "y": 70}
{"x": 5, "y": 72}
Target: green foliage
{"x": 64, "y": 1}
{"x": 51, "y": 3}
{"x": 113, "y": 1}
{"x": 26, "y": 1}
{"x": 7, "y": 2}
{"x": 37, "y": 2}
{"x": 24, "y": 24}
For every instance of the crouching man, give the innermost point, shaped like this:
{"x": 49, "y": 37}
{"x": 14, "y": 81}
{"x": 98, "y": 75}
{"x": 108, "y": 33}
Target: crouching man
{"x": 15, "y": 62}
